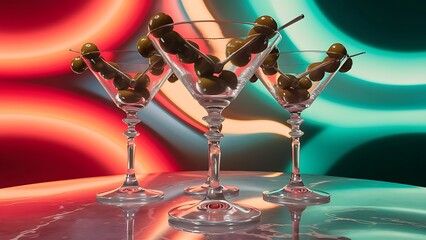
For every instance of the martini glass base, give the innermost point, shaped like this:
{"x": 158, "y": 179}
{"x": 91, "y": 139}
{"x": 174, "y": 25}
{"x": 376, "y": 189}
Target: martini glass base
{"x": 129, "y": 195}
{"x": 213, "y": 213}
{"x": 296, "y": 195}
{"x": 201, "y": 190}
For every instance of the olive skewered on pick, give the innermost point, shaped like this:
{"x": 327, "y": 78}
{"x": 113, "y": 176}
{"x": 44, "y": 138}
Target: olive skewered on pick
{"x": 212, "y": 79}
{"x": 294, "y": 89}
{"x": 129, "y": 90}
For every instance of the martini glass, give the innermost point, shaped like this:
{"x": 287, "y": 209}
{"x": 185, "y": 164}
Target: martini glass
{"x": 214, "y": 59}
{"x": 131, "y": 82}
{"x": 295, "y": 80}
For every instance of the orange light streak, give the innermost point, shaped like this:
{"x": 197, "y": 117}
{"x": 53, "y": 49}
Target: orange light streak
{"x": 258, "y": 203}
{"x": 45, "y": 50}
{"x": 272, "y": 175}
{"x": 180, "y": 97}
{"x": 80, "y": 123}
{"x": 49, "y": 189}
{"x": 59, "y": 188}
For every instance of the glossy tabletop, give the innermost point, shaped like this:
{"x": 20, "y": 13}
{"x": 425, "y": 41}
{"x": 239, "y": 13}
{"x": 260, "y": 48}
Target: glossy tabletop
{"x": 359, "y": 209}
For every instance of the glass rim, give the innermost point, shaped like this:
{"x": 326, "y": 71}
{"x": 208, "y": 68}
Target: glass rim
{"x": 309, "y": 52}
{"x": 120, "y": 53}
{"x": 105, "y": 51}
{"x": 214, "y": 21}
{"x": 125, "y": 65}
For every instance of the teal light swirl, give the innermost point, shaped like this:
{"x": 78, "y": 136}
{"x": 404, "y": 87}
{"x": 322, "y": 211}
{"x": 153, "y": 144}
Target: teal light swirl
{"x": 383, "y": 95}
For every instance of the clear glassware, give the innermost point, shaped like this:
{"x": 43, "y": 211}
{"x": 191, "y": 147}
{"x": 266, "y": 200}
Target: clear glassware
{"x": 131, "y": 82}
{"x": 295, "y": 81}
{"x": 129, "y": 212}
{"x": 296, "y": 211}
{"x": 213, "y": 232}
{"x": 214, "y": 60}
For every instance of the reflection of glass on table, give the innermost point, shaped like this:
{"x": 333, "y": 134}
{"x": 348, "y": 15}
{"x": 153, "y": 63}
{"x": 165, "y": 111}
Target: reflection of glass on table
{"x": 53, "y": 210}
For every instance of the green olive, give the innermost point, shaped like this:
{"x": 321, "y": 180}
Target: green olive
{"x": 286, "y": 81}
{"x": 332, "y": 64}
{"x": 305, "y": 83}
{"x": 204, "y": 68}
{"x": 129, "y": 96}
{"x": 241, "y": 59}
{"x": 228, "y": 79}
{"x": 234, "y": 45}
{"x": 210, "y": 85}
{"x": 122, "y": 82}
{"x": 278, "y": 91}
{"x": 271, "y": 60}
{"x": 141, "y": 81}
{"x": 156, "y": 65}
{"x": 145, "y": 47}
{"x": 156, "y": 72}
{"x": 243, "y": 56}
{"x": 187, "y": 53}
{"x": 172, "y": 78}
{"x": 317, "y": 74}
{"x": 269, "y": 25}
{"x": 253, "y": 79}
{"x": 78, "y": 65}
{"x": 172, "y": 42}
{"x": 337, "y": 50}
{"x": 98, "y": 64}
{"x": 270, "y": 71}
{"x": 110, "y": 70}
{"x": 156, "y": 62}
{"x": 90, "y": 51}
{"x": 159, "y": 20}
{"x": 144, "y": 92}
{"x": 258, "y": 41}
{"x": 347, "y": 65}
{"x": 297, "y": 95}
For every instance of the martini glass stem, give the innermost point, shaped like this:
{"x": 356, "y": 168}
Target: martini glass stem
{"x": 130, "y": 224}
{"x": 295, "y": 121}
{"x": 131, "y": 120}
{"x": 214, "y": 135}
{"x": 295, "y": 192}
{"x": 295, "y": 223}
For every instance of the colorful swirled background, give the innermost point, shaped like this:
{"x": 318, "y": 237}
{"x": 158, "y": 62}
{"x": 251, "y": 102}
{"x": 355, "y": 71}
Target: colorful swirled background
{"x": 369, "y": 123}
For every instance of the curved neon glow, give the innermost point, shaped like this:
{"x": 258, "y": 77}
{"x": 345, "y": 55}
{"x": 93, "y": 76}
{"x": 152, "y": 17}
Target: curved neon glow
{"x": 45, "y": 50}
{"x": 78, "y": 123}
{"x": 372, "y": 66}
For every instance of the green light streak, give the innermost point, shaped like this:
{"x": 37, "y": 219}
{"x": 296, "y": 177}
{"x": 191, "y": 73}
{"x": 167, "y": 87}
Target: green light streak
{"x": 317, "y": 32}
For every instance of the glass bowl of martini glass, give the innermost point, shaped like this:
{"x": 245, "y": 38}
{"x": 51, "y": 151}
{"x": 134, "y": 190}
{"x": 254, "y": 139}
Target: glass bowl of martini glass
{"x": 131, "y": 82}
{"x": 295, "y": 80}
{"x": 214, "y": 59}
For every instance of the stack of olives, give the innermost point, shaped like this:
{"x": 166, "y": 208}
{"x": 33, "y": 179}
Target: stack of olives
{"x": 294, "y": 89}
{"x": 256, "y": 41}
{"x": 330, "y": 63}
{"x": 212, "y": 79}
{"x": 129, "y": 90}
{"x": 147, "y": 50}
{"x": 171, "y": 42}
{"x": 269, "y": 65}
